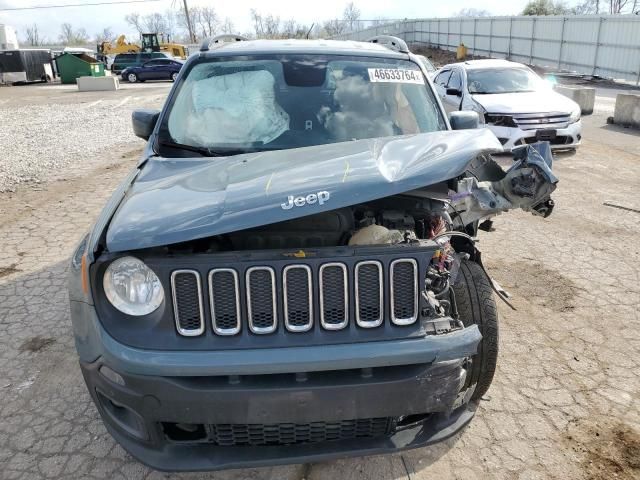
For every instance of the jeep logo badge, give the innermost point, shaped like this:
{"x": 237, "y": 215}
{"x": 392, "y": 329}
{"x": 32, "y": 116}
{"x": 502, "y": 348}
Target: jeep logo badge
{"x": 319, "y": 198}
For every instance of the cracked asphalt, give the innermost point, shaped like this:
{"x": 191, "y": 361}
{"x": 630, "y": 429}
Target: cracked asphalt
{"x": 565, "y": 399}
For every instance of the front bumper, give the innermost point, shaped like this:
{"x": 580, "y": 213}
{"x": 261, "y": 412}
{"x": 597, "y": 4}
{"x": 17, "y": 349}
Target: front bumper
{"x": 415, "y": 383}
{"x": 138, "y": 414}
{"x": 569, "y": 137}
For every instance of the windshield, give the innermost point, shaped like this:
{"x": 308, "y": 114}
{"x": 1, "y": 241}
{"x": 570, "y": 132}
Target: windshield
{"x": 503, "y": 80}
{"x": 235, "y": 105}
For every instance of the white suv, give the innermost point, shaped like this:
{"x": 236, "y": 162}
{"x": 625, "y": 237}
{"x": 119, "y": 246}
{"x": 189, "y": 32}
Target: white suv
{"x": 512, "y": 101}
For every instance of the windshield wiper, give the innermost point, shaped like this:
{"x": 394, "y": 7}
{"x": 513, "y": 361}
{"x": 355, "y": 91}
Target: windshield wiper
{"x": 204, "y": 151}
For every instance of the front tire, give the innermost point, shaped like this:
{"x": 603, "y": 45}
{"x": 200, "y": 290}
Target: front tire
{"x": 132, "y": 78}
{"x": 174, "y": 75}
{"x": 476, "y": 306}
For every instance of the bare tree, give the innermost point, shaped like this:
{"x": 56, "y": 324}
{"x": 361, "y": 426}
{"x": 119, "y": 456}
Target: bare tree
{"x": 170, "y": 23}
{"x": 33, "y": 36}
{"x": 587, "y": 7}
{"x": 135, "y": 20}
{"x": 265, "y": 26}
{"x": 617, "y": 6}
{"x": 106, "y": 35}
{"x": 154, "y": 23}
{"x": 190, "y": 22}
{"x": 351, "y": 15}
{"x": 69, "y": 36}
{"x": 207, "y": 20}
{"x": 293, "y": 29}
{"x": 227, "y": 26}
{"x": 334, "y": 27}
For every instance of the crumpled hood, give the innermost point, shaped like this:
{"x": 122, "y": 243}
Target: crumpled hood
{"x": 526, "y": 102}
{"x": 176, "y": 200}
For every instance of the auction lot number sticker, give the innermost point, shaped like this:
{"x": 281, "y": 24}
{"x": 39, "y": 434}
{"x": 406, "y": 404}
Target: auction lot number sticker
{"x": 395, "y": 75}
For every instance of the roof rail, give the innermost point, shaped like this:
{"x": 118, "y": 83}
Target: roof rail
{"x": 225, "y": 37}
{"x": 391, "y": 42}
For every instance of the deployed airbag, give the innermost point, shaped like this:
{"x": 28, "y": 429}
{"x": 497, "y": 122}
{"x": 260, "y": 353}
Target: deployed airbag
{"x": 238, "y": 108}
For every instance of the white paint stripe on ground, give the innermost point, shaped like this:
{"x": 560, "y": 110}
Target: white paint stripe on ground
{"x": 93, "y": 104}
{"x": 124, "y": 100}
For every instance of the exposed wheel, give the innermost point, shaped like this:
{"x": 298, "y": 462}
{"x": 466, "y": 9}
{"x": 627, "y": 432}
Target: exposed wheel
{"x": 174, "y": 75}
{"x": 132, "y": 78}
{"x": 476, "y": 305}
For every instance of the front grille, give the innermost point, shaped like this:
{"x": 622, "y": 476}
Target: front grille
{"x": 224, "y": 298}
{"x": 299, "y": 295}
{"x": 187, "y": 302}
{"x": 261, "y": 299}
{"x": 535, "y": 121}
{"x": 369, "y": 301}
{"x": 334, "y": 301}
{"x": 230, "y": 435}
{"x": 404, "y": 292}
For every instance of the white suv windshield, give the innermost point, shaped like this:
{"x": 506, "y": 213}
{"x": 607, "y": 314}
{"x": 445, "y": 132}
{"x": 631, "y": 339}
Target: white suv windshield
{"x": 267, "y": 103}
{"x": 503, "y": 80}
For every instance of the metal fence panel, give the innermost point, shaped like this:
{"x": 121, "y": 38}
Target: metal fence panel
{"x": 605, "y": 45}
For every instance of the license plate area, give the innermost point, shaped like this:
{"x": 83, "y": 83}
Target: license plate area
{"x": 546, "y": 134}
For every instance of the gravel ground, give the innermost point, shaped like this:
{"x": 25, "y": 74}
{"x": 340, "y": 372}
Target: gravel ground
{"x": 42, "y": 140}
{"x": 564, "y": 402}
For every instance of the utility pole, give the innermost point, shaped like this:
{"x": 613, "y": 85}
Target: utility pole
{"x": 186, "y": 14}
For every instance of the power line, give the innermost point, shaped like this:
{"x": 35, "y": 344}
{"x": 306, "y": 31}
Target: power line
{"x": 40, "y": 7}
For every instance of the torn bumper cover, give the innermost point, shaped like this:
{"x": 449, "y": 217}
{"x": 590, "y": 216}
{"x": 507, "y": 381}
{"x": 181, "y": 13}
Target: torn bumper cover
{"x": 194, "y": 410}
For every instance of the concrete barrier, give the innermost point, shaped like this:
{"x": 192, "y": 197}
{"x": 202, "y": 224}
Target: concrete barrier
{"x": 627, "y": 110}
{"x": 583, "y": 96}
{"x": 97, "y": 84}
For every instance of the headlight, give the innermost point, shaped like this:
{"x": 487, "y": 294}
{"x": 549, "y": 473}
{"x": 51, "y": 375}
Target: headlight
{"x": 479, "y": 109}
{"x": 575, "y": 115}
{"x": 132, "y": 287}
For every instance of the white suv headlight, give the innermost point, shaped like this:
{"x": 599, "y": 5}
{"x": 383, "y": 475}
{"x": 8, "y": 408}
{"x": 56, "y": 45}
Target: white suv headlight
{"x": 132, "y": 287}
{"x": 575, "y": 115}
{"x": 479, "y": 109}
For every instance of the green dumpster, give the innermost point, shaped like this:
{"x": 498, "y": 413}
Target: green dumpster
{"x": 75, "y": 65}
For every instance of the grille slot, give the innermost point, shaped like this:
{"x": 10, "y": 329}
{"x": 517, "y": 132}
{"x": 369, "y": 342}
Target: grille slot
{"x": 261, "y": 299}
{"x": 334, "y": 298}
{"x": 224, "y": 298}
{"x": 296, "y": 433}
{"x": 186, "y": 291}
{"x": 369, "y": 299}
{"x": 404, "y": 291}
{"x": 298, "y": 301}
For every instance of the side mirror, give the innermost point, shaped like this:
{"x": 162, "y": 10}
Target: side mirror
{"x": 464, "y": 120}
{"x": 454, "y": 91}
{"x": 144, "y": 121}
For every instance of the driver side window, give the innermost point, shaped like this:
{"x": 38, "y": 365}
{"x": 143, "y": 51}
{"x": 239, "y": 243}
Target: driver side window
{"x": 455, "y": 81}
{"x": 442, "y": 78}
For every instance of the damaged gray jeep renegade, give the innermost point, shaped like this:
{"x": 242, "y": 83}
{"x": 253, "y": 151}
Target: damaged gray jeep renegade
{"x": 290, "y": 274}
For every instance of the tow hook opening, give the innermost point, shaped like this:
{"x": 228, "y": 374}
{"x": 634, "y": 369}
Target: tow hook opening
{"x": 184, "y": 432}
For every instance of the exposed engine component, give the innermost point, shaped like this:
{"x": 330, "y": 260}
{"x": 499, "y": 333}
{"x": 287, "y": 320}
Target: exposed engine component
{"x": 376, "y": 235}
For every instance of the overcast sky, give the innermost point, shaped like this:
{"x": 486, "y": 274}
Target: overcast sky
{"x": 94, "y": 18}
